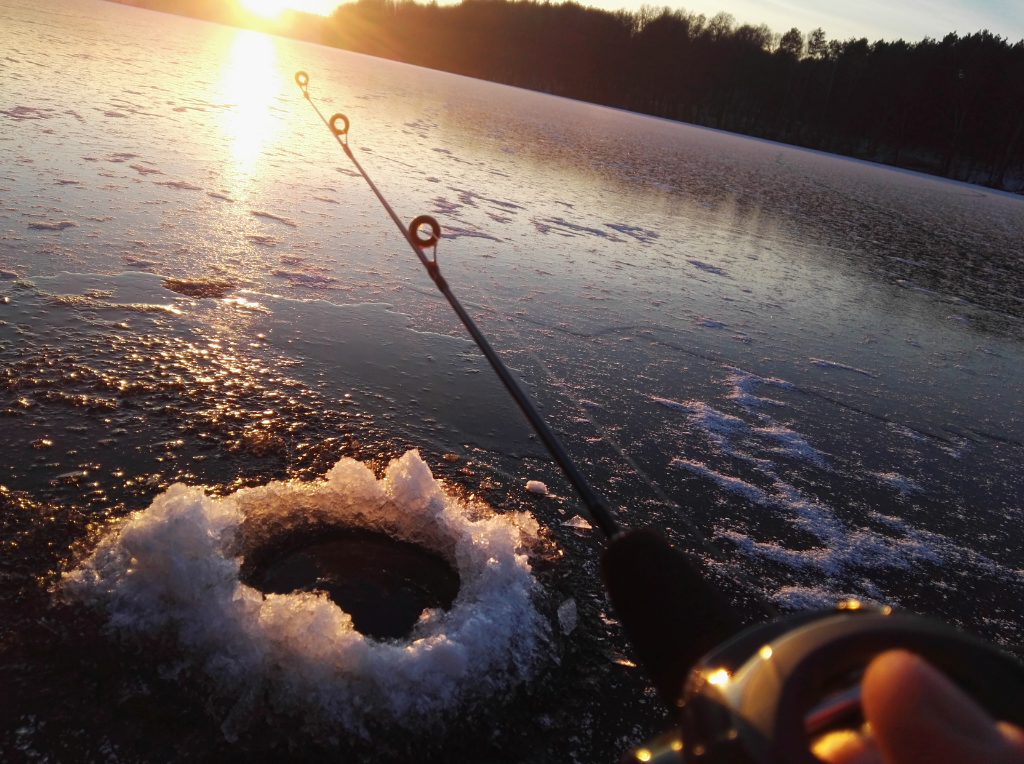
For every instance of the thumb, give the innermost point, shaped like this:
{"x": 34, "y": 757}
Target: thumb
{"x": 918, "y": 715}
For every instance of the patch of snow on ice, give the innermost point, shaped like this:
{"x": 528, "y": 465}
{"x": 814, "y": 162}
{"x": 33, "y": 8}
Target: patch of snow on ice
{"x": 640, "y": 234}
{"x": 709, "y": 267}
{"x": 726, "y": 482}
{"x": 271, "y": 216}
{"x": 743, "y": 383}
{"x": 807, "y": 597}
{"x": 823, "y": 364}
{"x": 709, "y": 323}
{"x": 566, "y": 227}
{"x": 453, "y": 232}
{"x": 789, "y": 442}
{"x": 841, "y": 547}
{"x": 721, "y": 428}
{"x": 906, "y": 432}
{"x": 897, "y": 481}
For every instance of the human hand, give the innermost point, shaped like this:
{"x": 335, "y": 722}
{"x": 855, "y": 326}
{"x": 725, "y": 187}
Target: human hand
{"x": 915, "y": 715}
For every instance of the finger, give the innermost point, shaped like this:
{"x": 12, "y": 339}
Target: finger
{"x": 918, "y": 715}
{"x": 846, "y": 747}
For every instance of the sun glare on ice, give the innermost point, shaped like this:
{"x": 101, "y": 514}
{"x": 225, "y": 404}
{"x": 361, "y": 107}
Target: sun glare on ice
{"x": 250, "y": 79}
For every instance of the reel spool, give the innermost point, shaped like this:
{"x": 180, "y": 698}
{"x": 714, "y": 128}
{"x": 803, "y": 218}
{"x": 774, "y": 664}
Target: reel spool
{"x": 764, "y": 695}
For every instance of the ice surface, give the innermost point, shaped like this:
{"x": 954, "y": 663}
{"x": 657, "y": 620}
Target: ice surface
{"x": 173, "y": 568}
{"x": 611, "y": 225}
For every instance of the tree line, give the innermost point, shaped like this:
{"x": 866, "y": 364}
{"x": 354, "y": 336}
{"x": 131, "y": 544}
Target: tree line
{"x": 952, "y": 107}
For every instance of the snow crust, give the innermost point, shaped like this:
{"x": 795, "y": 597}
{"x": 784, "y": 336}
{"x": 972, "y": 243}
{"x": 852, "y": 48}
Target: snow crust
{"x": 173, "y": 568}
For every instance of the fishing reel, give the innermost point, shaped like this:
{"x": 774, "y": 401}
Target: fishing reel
{"x": 765, "y": 695}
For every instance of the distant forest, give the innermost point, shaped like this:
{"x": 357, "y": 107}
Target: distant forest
{"x": 952, "y": 107}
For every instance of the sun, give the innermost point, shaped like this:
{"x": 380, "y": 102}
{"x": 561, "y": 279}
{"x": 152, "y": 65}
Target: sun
{"x": 268, "y": 8}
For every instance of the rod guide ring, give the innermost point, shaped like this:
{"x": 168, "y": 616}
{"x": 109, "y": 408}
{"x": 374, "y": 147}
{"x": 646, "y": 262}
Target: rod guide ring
{"x": 435, "y": 231}
{"x": 332, "y": 123}
{"x": 301, "y": 79}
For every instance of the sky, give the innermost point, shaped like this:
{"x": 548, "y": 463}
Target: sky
{"x": 874, "y": 19}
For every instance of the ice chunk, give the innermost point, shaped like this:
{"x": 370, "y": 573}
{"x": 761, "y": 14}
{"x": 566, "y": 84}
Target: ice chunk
{"x": 537, "y": 487}
{"x": 567, "y": 616}
{"x": 578, "y": 522}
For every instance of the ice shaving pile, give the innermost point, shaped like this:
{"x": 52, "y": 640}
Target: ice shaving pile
{"x": 174, "y": 568}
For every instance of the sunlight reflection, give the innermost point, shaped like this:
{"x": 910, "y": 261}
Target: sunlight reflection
{"x": 250, "y": 82}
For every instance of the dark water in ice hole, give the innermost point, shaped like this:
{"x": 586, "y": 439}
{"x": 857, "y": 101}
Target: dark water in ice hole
{"x": 383, "y": 583}
{"x": 812, "y": 361}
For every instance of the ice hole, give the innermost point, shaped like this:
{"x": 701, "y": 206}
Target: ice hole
{"x": 383, "y": 583}
{"x": 245, "y": 583}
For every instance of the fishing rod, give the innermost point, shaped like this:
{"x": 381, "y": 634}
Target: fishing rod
{"x": 596, "y": 505}
{"x": 757, "y": 695}
{"x": 632, "y": 559}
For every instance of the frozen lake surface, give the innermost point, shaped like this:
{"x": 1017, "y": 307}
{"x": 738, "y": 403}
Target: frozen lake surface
{"x": 810, "y": 363}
